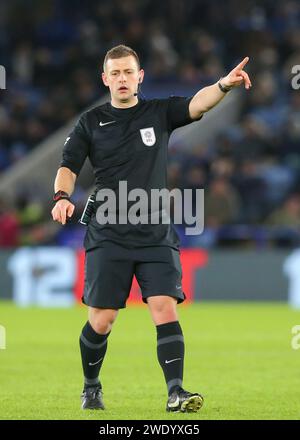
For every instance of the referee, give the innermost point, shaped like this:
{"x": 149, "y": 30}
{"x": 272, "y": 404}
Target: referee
{"x": 126, "y": 139}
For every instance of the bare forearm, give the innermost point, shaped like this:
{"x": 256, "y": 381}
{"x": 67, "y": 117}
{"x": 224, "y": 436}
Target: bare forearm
{"x": 65, "y": 180}
{"x": 205, "y": 99}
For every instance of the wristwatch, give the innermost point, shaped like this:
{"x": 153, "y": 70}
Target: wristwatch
{"x": 224, "y": 89}
{"x": 60, "y": 195}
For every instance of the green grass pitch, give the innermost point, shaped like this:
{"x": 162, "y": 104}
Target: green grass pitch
{"x": 238, "y": 355}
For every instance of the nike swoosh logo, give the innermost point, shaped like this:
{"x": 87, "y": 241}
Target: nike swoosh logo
{"x": 172, "y": 360}
{"x": 95, "y": 363}
{"x": 106, "y": 123}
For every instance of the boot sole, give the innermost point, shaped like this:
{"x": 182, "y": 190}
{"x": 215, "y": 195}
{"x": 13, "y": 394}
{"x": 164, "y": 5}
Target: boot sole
{"x": 192, "y": 404}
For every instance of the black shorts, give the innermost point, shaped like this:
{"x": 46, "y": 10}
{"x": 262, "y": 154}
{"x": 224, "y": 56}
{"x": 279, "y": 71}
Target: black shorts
{"x": 109, "y": 273}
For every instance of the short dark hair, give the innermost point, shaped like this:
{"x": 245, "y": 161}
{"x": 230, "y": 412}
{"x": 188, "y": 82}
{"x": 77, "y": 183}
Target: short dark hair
{"x": 120, "y": 51}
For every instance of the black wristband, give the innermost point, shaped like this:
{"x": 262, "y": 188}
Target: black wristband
{"x": 60, "y": 195}
{"x": 223, "y": 89}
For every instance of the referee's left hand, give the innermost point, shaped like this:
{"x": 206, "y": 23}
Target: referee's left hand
{"x": 238, "y": 76}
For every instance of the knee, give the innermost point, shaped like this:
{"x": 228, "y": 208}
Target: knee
{"x": 163, "y": 305}
{"x": 102, "y": 320}
{"x": 164, "y": 311}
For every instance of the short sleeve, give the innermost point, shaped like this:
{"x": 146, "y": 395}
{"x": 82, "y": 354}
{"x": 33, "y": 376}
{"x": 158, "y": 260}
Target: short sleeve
{"x": 76, "y": 147}
{"x": 178, "y": 113}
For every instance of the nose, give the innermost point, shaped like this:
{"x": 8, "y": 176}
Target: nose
{"x": 122, "y": 77}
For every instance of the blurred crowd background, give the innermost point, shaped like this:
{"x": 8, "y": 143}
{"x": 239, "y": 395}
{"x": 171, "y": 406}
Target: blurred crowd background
{"x": 53, "y": 53}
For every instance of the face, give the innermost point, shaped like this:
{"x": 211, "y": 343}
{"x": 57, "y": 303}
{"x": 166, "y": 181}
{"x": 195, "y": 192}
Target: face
{"x": 122, "y": 76}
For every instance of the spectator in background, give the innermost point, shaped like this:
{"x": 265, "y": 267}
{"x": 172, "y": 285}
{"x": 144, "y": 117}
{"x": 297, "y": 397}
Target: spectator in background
{"x": 9, "y": 226}
{"x": 223, "y": 167}
{"x": 251, "y": 189}
{"x": 30, "y": 215}
{"x": 222, "y": 203}
{"x": 288, "y": 214}
{"x": 285, "y": 222}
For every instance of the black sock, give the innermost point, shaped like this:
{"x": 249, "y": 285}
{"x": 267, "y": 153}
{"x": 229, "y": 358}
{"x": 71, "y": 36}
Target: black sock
{"x": 93, "y": 348}
{"x": 170, "y": 353}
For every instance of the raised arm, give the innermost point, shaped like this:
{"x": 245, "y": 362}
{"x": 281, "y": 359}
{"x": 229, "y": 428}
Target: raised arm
{"x": 210, "y": 96}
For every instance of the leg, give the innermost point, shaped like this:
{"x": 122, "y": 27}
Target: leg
{"x": 108, "y": 276}
{"x": 93, "y": 343}
{"x": 170, "y": 353}
{"x": 170, "y": 342}
{"x": 159, "y": 276}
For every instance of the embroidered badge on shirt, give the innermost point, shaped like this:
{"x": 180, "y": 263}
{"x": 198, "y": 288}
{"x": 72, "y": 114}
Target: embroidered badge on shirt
{"x": 148, "y": 136}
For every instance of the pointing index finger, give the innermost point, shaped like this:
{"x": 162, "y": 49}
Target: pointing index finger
{"x": 242, "y": 63}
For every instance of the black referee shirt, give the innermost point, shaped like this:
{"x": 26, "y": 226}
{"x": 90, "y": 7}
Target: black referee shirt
{"x": 128, "y": 144}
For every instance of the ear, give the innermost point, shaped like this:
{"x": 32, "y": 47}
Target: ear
{"x": 104, "y": 79}
{"x": 141, "y": 76}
